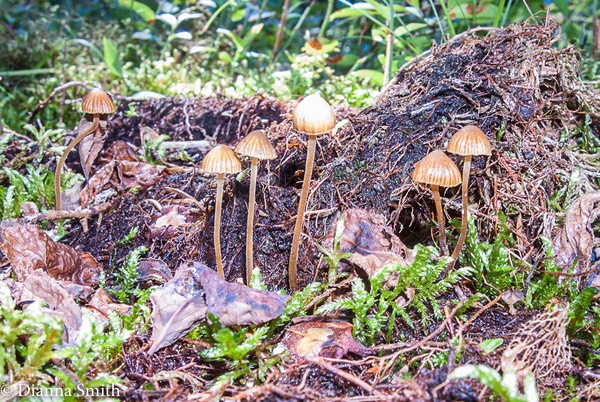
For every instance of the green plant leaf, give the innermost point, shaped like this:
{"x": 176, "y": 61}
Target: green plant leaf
{"x": 489, "y": 345}
{"x": 140, "y": 9}
{"x": 112, "y": 58}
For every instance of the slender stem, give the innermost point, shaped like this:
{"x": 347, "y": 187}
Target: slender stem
{"x": 250, "y": 226}
{"x": 310, "y": 156}
{"x": 62, "y": 159}
{"x": 440, "y": 215}
{"x": 220, "y": 180}
{"x": 465, "y": 201}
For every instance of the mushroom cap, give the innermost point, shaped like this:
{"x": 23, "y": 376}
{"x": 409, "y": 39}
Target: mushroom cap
{"x": 256, "y": 145}
{"x": 313, "y": 116}
{"x": 469, "y": 140}
{"x": 438, "y": 170}
{"x": 221, "y": 159}
{"x": 97, "y": 102}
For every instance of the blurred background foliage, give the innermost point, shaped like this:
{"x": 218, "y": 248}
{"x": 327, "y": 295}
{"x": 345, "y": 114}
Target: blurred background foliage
{"x": 282, "y": 48}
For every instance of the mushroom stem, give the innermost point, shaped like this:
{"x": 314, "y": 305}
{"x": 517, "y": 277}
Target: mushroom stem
{"x": 465, "y": 200}
{"x": 219, "y": 201}
{"x": 440, "y": 215}
{"x": 249, "y": 227}
{"x": 310, "y": 156}
{"x": 62, "y": 159}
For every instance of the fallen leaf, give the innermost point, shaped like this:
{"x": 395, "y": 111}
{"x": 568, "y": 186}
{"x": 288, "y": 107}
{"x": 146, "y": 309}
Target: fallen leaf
{"x": 103, "y": 305}
{"x": 574, "y": 243}
{"x": 178, "y": 305}
{"x": 237, "y": 304}
{"x": 121, "y": 151}
{"x": 96, "y": 183}
{"x": 324, "y": 339}
{"x": 40, "y": 286}
{"x": 132, "y": 174}
{"x": 373, "y": 244}
{"x": 153, "y": 271}
{"x": 91, "y": 145}
{"x": 29, "y": 249}
{"x": 172, "y": 219}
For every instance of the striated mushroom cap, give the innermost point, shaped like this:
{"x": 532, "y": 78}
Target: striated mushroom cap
{"x": 438, "y": 170}
{"x": 469, "y": 140}
{"x": 256, "y": 145}
{"x": 221, "y": 159}
{"x": 97, "y": 102}
{"x": 313, "y": 116}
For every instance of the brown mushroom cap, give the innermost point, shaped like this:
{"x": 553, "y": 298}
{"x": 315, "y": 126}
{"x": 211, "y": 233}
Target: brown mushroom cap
{"x": 313, "y": 115}
{"x": 221, "y": 159}
{"x": 256, "y": 145}
{"x": 469, "y": 140}
{"x": 438, "y": 170}
{"x": 97, "y": 102}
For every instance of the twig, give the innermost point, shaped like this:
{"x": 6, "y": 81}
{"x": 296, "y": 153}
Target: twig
{"x": 79, "y": 214}
{"x": 55, "y": 92}
{"x": 345, "y": 375}
{"x": 477, "y": 314}
{"x": 281, "y": 30}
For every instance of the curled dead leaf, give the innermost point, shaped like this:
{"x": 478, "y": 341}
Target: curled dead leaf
{"x": 172, "y": 219}
{"x": 102, "y": 305}
{"x": 325, "y": 339}
{"x": 90, "y": 146}
{"x": 29, "y": 249}
{"x": 574, "y": 243}
{"x": 372, "y": 243}
{"x": 153, "y": 271}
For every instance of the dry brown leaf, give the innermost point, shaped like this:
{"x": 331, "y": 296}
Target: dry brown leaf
{"x": 574, "y": 243}
{"x": 153, "y": 271}
{"x": 372, "y": 243}
{"x": 29, "y": 249}
{"x": 90, "y": 146}
{"x": 236, "y": 304}
{"x": 40, "y": 286}
{"x": 103, "y": 305}
{"x": 325, "y": 339}
{"x": 177, "y": 306}
{"x": 172, "y": 219}
{"x": 121, "y": 151}
{"x": 96, "y": 183}
{"x": 132, "y": 174}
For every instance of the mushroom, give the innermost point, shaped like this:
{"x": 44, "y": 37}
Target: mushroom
{"x": 220, "y": 160}
{"x": 255, "y": 145}
{"x": 96, "y": 102}
{"x": 437, "y": 170}
{"x": 467, "y": 141}
{"x": 313, "y": 116}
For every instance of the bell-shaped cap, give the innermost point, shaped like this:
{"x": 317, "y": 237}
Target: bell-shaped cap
{"x": 438, "y": 170}
{"x": 469, "y": 140}
{"x": 313, "y": 116}
{"x": 221, "y": 159}
{"x": 97, "y": 102}
{"x": 256, "y": 145}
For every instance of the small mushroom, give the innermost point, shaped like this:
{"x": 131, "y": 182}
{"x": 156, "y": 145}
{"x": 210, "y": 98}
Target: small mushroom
{"x": 97, "y": 103}
{"x": 437, "y": 170}
{"x": 467, "y": 141}
{"x": 313, "y": 116}
{"x": 255, "y": 145}
{"x": 220, "y": 160}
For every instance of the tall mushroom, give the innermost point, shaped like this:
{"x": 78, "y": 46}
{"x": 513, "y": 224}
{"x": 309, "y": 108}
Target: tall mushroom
{"x": 437, "y": 170}
{"x": 220, "y": 160}
{"x": 97, "y": 103}
{"x": 255, "y": 145}
{"x": 468, "y": 141}
{"x": 313, "y": 116}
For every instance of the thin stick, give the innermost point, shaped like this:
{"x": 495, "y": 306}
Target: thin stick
{"x": 63, "y": 158}
{"x": 79, "y": 214}
{"x": 345, "y": 375}
{"x": 465, "y": 200}
{"x": 310, "y": 155}
{"x": 250, "y": 225}
{"x": 440, "y": 215}
{"x": 281, "y": 30}
{"x": 220, "y": 180}
{"x": 55, "y": 92}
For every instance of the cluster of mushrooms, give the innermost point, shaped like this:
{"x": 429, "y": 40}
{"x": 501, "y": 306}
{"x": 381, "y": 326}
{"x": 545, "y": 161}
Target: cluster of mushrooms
{"x": 313, "y": 116}
{"x": 438, "y": 170}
